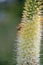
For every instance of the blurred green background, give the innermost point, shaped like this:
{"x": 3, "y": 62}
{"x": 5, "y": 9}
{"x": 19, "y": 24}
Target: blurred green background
{"x": 10, "y": 16}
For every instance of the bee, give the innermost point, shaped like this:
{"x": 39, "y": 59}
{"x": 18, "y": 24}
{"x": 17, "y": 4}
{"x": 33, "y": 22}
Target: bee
{"x": 19, "y": 27}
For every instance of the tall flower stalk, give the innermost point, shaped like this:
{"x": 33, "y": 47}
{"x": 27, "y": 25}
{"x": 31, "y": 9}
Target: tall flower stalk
{"x": 29, "y": 32}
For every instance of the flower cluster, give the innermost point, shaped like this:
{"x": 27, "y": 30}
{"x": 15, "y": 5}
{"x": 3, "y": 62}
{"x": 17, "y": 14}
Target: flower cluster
{"x": 28, "y": 38}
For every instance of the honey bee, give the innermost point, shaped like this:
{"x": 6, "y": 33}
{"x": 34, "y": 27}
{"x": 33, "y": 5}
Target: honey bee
{"x": 19, "y": 27}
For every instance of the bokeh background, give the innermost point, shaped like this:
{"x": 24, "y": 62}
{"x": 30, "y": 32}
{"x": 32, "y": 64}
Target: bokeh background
{"x": 10, "y": 17}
